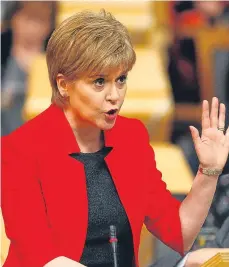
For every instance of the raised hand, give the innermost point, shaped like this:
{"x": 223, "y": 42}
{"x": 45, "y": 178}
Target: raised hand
{"x": 212, "y": 147}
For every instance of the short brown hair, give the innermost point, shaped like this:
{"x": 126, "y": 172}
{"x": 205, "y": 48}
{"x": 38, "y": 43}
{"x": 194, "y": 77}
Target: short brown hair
{"x": 87, "y": 43}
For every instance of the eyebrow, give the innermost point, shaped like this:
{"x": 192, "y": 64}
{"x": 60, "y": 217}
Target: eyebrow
{"x": 106, "y": 75}
{"x": 98, "y": 75}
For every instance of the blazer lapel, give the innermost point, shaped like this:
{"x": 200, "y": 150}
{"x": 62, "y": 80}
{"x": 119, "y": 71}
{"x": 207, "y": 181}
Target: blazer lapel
{"x": 66, "y": 192}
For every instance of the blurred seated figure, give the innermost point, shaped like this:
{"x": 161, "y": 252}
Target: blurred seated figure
{"x": 182, "y": 67}
{"x": 214, "y": 236}
{"x": 182, "y": 54}
{"x": 202, "y": 13}
{"x": 31, "y": 25}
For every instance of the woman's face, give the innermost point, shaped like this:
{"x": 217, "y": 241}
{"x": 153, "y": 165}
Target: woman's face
{"x": 32, "y": 24}
{"x": 97, "y": 99}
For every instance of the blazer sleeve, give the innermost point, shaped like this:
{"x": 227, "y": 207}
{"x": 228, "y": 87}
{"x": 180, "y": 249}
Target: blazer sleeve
{"x": 162, "y": 212}
{"x": 23, "y": 208}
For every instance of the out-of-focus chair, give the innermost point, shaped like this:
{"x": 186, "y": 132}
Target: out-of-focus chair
{"x": 208, "y": 41}
{"x": 39, "y": 91}
{"x": 175, "y": 169}
{"x": 148, "y": 95}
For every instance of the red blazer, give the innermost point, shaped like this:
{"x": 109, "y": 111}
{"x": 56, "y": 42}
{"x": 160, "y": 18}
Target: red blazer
{"x": 44, "y": 198}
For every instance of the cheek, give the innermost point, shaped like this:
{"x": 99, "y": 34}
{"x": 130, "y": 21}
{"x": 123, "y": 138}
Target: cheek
{"x": 123, "y": 93}
{"x": 86, "y": 102}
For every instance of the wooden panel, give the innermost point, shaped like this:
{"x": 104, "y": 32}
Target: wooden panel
{"x": 207, "y": 41}
{"x": 219, "y": 260}
{"x": 188, "y": 112}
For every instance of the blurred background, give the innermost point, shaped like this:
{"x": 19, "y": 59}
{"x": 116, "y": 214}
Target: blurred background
{"x": 182, "y": 52}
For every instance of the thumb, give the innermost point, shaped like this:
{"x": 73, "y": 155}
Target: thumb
{"x": 195, "y": 135}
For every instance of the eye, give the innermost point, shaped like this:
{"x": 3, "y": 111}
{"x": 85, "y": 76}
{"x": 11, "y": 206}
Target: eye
{"x": 99, "y": 82}
{"x": 122, "y": 79}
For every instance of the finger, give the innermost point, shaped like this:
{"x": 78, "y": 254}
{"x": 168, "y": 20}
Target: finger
{"x": 195, "y": 135}
{"x": 214, "y": 112}
{"x": 205, "y": 115}
{"x": 222, "y": 111}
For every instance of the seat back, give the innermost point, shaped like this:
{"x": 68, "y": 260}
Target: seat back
{"x": 39, "y": 92}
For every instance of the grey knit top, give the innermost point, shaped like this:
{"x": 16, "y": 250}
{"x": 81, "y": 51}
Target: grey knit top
{"x": 104, "y": 209}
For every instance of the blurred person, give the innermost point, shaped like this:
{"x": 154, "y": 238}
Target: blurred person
{"x": 204, "y": 13}
{"x": 79, "y": 167}
{"x": 182, "y": 67}
{"x": 218, "y": 218}
{"x": 20, "y": 44}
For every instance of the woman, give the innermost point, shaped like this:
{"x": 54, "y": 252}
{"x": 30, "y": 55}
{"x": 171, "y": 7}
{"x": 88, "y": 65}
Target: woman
{"x": 78, "y": 167}
{"x": 21, "y": 43}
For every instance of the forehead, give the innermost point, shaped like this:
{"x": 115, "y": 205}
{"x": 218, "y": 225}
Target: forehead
{"x": 108, "y": 73}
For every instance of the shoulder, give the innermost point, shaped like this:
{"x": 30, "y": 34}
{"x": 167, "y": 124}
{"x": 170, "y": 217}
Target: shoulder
{"x": 131, "y": 134}
{"x": 27, "y": 136}
{"x": 131, "y": 126}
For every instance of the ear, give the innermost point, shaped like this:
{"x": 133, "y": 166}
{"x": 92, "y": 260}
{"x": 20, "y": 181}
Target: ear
{"x": 62, "y": 85}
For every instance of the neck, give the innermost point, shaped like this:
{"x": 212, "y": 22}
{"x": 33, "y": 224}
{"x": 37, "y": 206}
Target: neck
{"x": 88, "y": 136}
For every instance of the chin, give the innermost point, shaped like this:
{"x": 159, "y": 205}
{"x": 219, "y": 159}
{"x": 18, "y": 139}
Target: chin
{"x": 106, "y": 126}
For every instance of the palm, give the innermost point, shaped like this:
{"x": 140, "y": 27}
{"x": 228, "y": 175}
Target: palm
{"x": 212, "y": 147}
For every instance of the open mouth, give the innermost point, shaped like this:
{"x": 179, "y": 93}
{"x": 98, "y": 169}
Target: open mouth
{"x": 112, "y": 111}
{"x": 111, "y": 114}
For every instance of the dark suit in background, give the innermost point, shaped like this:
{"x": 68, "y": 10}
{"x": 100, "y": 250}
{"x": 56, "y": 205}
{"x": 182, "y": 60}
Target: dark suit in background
{"x": 218, "y": 217}
{"x": 221, "y": 241}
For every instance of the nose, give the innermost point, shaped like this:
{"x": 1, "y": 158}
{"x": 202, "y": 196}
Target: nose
{"x": 113, "y": 94}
